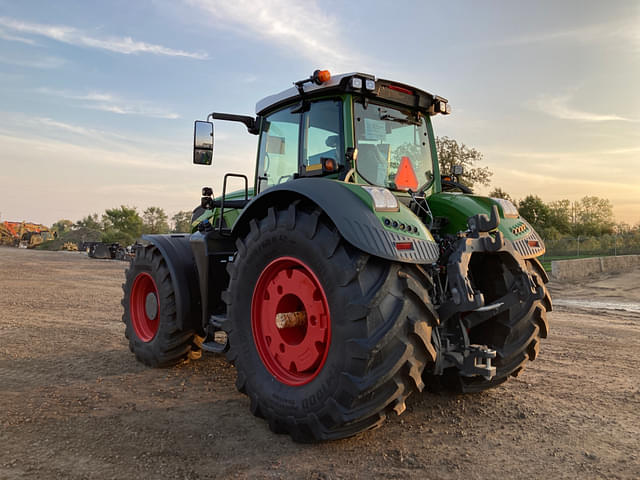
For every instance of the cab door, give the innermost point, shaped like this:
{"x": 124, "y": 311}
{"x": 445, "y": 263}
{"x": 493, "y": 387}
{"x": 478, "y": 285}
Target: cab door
{"x": 294, "y": 142}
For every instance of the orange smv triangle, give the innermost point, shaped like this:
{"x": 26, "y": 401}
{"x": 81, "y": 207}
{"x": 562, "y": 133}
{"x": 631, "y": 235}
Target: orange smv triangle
{"x": 406, "y": 176}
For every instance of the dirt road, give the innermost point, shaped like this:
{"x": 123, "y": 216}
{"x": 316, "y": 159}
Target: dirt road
{"x": 75, "y": 404}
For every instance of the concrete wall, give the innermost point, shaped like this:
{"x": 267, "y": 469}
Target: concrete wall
{"x": 584, "y": 267}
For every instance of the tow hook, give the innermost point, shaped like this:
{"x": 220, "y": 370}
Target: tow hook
{"x": 474, "y": 360}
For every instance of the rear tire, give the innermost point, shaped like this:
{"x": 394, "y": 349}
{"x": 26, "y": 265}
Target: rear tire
{"x": 367, "y": 356}
{"x": 150, "y": 313}
{"x": 515, "y": 334}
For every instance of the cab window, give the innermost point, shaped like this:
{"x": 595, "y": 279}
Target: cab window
{"x": 393, "y": 146}
{"x": 323, "y": 127}
{"x": 279, "y": 146}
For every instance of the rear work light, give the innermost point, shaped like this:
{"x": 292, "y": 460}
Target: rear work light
{"x": 440, "y": 105}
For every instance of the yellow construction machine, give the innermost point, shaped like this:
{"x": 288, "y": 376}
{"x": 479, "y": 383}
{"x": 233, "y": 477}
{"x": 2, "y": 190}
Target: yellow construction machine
{"x": 24, "y": 234}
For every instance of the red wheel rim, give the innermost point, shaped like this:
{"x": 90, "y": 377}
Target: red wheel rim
{"x": 293, "y": 355}
{"x": 144, "y": 307}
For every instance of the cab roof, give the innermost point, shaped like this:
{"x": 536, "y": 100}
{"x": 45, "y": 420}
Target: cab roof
{"x": 387, "y": 90}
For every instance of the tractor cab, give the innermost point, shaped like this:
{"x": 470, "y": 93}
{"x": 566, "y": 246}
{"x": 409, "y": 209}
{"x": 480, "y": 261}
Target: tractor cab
{"x": 351, "y": 127}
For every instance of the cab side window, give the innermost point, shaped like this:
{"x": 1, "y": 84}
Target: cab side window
{"x": 279, "y": 146}
{"x": 323, "y": 127}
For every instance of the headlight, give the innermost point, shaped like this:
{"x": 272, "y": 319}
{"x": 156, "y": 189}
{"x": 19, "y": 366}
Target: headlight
{"x": 383, "y": 199}
{"x": 508, "y": 208}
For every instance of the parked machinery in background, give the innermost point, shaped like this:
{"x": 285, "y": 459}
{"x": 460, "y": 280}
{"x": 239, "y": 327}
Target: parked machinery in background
{"x": 24, "y": 234}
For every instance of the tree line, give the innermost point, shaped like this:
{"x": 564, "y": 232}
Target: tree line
{"x": 590, "y": 216}
{"x": 123, "y": 225}
{"x": 583, "y": 227}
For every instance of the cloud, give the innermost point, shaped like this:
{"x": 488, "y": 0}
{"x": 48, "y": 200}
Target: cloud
{"x": 622, "y": 151}
{"x": 108, "y": 102}
{"x": 15, "y": 38}
{"x": 62, "y": 173}
{"x": 565, "y": 156}
{"x": 79, "y": 154}
{"x": 103, "y": 174}
{"x": 66, "y": 127}
{"x": 623, "y": 33}
{"x": 49, "y": 129}
{"x": 42, "y": 63}
{"x": 73, "y": 36}
{"x": 300, "y": 26}
{"x": 558, "y": 107}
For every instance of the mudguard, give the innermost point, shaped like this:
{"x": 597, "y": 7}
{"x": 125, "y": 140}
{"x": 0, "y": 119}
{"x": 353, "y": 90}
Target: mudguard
{"x": 457, "y": 208}
{"x": 353, "y": 218}
{"x": 176, "y": 251}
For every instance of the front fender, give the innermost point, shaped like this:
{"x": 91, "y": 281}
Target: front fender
{"x": 457, "y": 208}
{"x": 346, "y": 205}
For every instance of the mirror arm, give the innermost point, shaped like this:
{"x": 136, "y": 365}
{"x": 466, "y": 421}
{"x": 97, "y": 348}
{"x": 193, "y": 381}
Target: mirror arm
{"x": 250, "y": 122}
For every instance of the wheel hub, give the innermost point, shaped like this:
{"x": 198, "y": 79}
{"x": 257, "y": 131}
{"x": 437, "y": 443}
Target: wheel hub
{"x": 144, "y": 307}
{"x": 290, "y": 321}
{"x": 151, "y": 306}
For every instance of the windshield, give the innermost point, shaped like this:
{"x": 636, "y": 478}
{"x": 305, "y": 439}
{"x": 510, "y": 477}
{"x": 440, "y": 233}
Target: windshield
{"x": 393, "y": 147}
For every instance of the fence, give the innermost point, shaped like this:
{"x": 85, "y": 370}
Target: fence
{"x": 582, "y": 246}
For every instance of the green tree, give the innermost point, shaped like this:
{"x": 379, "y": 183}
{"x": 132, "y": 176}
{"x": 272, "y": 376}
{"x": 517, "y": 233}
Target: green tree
{"x": 182, "y": 221}
{"x": 535, "y": 211}
{"x": 451, "y": 153}
{"x": 499, "y": 193}
{"x": 122, "y": 225}
{"x": 82, "y": 234}
{"x": 155, "y": 220}
{"x": 62, "y": 226}
{"x": 92, "y": 222}
{"x": 593, "y": 216}
{"x": 623, "y": 228}
{"x": 560, "y": 216}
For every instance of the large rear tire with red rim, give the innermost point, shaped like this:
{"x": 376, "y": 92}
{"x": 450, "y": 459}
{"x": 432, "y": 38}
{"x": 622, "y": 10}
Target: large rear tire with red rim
{"x": 360, "y": 331}
{"x": 150, "y": 313}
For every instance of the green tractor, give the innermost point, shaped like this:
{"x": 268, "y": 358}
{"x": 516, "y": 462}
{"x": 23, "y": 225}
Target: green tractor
{"x": 352, "y": 273}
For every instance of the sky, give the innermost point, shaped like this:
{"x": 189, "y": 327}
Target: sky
{"x": 98, "y": 99}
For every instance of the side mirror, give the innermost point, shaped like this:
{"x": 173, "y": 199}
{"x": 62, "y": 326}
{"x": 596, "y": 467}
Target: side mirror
{"x": 203, "y": 143}
{"x": 458, "y": 170}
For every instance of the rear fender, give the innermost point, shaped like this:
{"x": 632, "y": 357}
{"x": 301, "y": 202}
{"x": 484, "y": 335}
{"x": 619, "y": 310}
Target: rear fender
{"x": 345, "y": 204}
{"x": 176, "y": 252}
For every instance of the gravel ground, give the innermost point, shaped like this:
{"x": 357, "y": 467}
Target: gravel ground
{"x": 74, "y": 403}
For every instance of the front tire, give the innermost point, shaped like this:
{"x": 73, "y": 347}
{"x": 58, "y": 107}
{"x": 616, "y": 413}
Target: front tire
{"x": 364, "y": 342}
{"x": 150, "y": 313}
{"x": 515, "y": 334}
